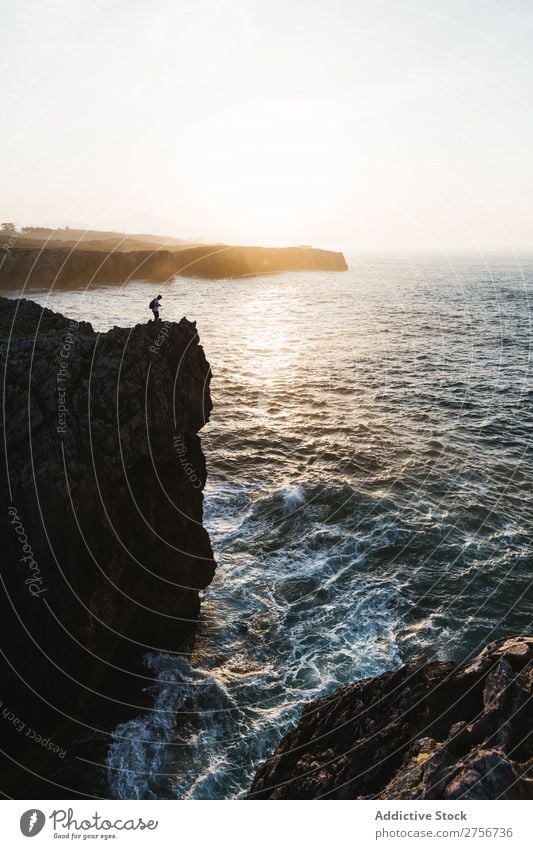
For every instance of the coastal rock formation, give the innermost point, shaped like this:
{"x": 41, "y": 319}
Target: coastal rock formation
{"x": 101, "y": 523}
{"x": 64, "y": 268}
{"x": 426, "y": 731}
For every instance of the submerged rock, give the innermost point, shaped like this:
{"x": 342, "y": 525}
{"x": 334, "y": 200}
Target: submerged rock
{"x": 426, "y": 731}
{"x": 100, "y": 526}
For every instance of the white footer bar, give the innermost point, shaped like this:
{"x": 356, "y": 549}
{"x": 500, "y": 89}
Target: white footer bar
{"x": 268, "y": 825}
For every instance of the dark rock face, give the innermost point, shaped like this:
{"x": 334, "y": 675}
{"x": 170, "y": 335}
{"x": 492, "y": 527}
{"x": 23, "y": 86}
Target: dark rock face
{"x": 426, "y": 731}
{"x": 100, "y": 525}
{"x": 63, "y": 268}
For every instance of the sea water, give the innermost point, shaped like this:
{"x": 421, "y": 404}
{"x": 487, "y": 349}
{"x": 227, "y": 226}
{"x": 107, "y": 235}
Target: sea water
{"x": 368, "y": 499}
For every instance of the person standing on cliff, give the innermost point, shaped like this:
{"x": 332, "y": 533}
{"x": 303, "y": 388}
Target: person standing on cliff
{"x": 154, "y": 306}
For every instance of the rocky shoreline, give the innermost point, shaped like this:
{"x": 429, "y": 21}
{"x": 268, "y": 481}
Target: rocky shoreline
{"x": 430, "y": 730}
{"x": 64, "y": 268}
{"x": 101, "y": 525}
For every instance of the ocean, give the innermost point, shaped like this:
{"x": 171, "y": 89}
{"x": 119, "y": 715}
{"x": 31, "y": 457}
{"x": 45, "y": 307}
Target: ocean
{"x": 368, "y": 500}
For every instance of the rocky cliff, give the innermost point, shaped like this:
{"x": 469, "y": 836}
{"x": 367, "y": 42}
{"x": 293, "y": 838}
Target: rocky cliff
{"x": 64, "y": 268}
{"x": 425, "y": 731}
{"x": 101, "y": 530}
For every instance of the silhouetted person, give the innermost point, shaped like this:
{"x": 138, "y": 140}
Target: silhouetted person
{"x": 154, "y": 306}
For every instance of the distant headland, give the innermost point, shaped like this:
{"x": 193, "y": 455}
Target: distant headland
{"x": 40, "y": 258}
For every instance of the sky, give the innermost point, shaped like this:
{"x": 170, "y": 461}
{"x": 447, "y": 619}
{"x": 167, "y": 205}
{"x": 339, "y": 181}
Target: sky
{"x": 360, "y": 124}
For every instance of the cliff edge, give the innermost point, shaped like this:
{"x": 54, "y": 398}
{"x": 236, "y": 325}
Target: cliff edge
{"x": 101, "y": 529}
{"x": 425, "y": 731}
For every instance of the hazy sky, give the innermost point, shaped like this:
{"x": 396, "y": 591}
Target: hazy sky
{"x": 358, "y": 123}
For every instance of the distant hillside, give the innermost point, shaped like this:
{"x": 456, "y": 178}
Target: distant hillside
{"x": 88, "y": 240}
{"x": 60, "y": 267}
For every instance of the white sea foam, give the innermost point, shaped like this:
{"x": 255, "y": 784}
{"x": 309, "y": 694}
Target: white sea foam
{"x": 293, "y": 498}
